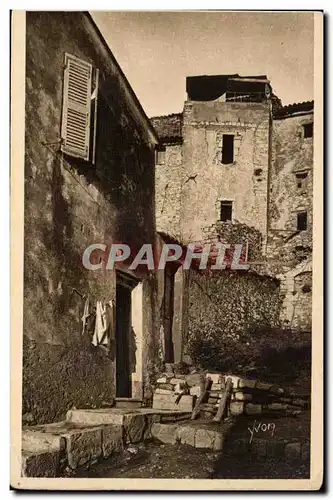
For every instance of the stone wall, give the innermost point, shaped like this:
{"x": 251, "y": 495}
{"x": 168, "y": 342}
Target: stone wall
{"x": 229, "y": 305}
{"x": 206, "y": 181}
{"x": 71, "y": 204}
{"x": 292, "y": 154}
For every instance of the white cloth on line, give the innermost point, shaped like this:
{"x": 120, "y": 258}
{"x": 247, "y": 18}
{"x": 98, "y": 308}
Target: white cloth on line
{"x": 103, "y": 323}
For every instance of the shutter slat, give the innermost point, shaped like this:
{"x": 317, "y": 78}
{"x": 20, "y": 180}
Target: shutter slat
{"x": 76, "y": 107}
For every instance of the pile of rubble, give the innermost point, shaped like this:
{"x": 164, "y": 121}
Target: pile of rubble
{"x": 250, "y": 397}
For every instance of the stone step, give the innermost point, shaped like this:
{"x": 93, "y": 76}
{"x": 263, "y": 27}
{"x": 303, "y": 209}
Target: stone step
{"x": 135, "y": 422}
{"x": 73, "y": 444}
{"x": 197, "y": 433}
{"x": 128, "y": 403}
{"x": 40, "y": 463}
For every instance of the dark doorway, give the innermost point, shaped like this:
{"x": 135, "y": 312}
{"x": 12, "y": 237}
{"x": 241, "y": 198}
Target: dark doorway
{"x": 123, "y": 325}
{"x": 169, "y": 284}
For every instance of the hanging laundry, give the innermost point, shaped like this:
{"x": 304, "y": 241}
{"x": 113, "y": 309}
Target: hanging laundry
{"x": 102, "y": 325}
{"x": 86, "y": 314}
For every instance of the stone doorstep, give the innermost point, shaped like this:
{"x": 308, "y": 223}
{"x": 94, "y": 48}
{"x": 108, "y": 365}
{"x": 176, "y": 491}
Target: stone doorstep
{"x": 118, "y": 416}
{"x": 199, "y": 434}
{"x": 79, "y": 443}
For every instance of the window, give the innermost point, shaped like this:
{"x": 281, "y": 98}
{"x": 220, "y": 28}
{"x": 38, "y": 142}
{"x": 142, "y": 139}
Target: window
{"x": 308, "y": 130}
{"x": 302, "y": 220}
{"x": 301, "y": 180}
{"x": 79, "y": 112}
{"x": 226, "y": 211}
{"x": 160, "y": 155}
{"x": 227, "y": 149}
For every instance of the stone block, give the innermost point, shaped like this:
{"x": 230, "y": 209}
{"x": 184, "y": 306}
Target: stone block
{"x": 40, "y": 463}
{"x": 292, "y": 451}
{"x": 263, "y": 386}
{"x": 276, "y": 390}
{"x": 241, "y": 396}
{"x": 112, "y": 440}
{"x": 166, "y": 433}
{"x": 216, "y": 387}
{"x": 134, "y": 427}
{"x": 193, "y": 379}
{"x": 162, "y": 380}
{"x": 170, "y": 387}
{"x": 204, "y": 439}
{"x": 167, "y": 402}
{"x": 82, "y": 443}
{"x": 236, "y": 408}
{"x": 35, "y": 441}
{"x": 235, "y": 380}
{"x": 83, "y": 446}
{"x": 215, "y": 394}
{"x": 163, "y": 391}
{"x": 103, "y": 416}
{"x": 175, "y": 381}
{"x": 253, "y": 409}
{"x": 195, "y": 390}
{"x": 219, "y": 441}
{"x": 276, "y": 407}
{"x": 215, "y": 377}
{"x": 186, "y": 435}
{"x": 246, "y": 384}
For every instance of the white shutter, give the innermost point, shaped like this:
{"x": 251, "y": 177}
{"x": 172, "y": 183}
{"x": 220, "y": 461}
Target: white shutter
{"x": 75, "y": 130}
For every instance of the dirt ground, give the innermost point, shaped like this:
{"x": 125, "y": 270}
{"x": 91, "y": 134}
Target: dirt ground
{"x": 156, "y": 460}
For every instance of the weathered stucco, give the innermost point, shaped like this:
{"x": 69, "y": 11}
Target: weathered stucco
{"x": 244, "y": 182}
{"x": 71, "y": 204}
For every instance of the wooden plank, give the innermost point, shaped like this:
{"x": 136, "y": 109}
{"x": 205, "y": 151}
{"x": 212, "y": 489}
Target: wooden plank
{"x": 203, "y": 396}
{"x": 222, "y": 406}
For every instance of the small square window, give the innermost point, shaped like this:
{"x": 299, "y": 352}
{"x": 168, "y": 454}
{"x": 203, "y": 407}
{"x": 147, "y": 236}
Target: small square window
{"x": 302, "y": 221}
{"x": 308, "y": 130}
{"x": 160, "y": 155}
{"x": 227, "y": 149}
{"x": 301, "y": 179}
{"x": 226, "y": 211}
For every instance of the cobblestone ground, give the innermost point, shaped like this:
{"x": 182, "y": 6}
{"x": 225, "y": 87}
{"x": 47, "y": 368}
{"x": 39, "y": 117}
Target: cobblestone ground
{"x": 155, "y": 460}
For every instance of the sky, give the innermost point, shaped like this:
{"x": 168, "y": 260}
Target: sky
{"x": 158, "y": 50}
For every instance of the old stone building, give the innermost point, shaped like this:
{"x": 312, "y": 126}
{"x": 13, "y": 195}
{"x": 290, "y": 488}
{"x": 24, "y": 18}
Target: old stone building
{"x": 236, "y": 166}
{"x": 89, "y": 178}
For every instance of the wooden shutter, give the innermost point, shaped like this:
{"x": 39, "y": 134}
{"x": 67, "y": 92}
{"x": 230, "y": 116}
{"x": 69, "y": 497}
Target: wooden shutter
{"x": 75, "y": 130}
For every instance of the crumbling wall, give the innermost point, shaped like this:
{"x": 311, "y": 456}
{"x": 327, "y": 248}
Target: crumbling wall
{"x": 292, "y": 154}
{"x": 69, "y": 205}
{"x": 206, "y": 181}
